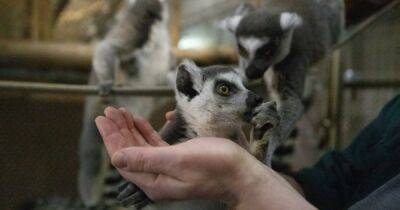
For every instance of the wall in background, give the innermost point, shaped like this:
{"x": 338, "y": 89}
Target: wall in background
{"x": 373, "y": 55}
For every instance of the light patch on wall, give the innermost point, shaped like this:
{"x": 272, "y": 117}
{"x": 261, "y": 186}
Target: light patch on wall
{"x": 190, "y": 43}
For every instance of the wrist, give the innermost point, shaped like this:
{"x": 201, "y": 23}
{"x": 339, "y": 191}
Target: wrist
{"x": 244, "y": 181}
{"x": 252, "y": 187}
{"x": 262, "y": 188}
{"x": 242, "y": 176}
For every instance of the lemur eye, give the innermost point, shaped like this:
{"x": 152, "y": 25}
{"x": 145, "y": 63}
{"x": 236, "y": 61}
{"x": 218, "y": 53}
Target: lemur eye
{"x": 223, "y": 90}
{"x": 267, "y": 50}
{"x": 242, "y": 51}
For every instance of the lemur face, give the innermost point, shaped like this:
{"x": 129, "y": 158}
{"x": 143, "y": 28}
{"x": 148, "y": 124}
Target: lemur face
{"x": 214, "y": 94}
{"x": 263, "y": 39}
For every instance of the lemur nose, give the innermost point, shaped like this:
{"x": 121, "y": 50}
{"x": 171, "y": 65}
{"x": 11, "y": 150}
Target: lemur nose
{"x": 253, "y": 100}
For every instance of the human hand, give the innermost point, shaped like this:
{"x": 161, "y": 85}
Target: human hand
{"x": 205, "y": 168}
{"x": 170, "y": 116}
{"x": 176, "y": 172}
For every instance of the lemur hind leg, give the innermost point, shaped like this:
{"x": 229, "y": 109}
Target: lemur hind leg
{"x": 273, "y": 143}
{"x": 289, "y": 111}
{"x": 286, "y": 85}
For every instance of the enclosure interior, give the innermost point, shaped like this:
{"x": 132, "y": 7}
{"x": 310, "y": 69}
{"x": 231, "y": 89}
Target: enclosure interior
{"x": 39, "y": 132}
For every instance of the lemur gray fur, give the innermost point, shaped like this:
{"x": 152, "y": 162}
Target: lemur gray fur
{"x": 211, "y": 102}
{"x": 138, "y": 48}
{"x": 288, "y": 36}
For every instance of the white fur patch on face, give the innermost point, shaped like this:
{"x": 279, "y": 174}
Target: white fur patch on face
{"x": 290, "y": 20}
{"x": 251, "y": 44}
{"x": 240, "y": 70}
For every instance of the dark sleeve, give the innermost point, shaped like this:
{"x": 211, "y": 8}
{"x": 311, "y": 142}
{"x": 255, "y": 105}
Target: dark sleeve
{"x": 332, "y": 182}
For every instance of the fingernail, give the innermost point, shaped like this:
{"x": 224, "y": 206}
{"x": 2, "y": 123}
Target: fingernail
{"x": 119, "y": 160}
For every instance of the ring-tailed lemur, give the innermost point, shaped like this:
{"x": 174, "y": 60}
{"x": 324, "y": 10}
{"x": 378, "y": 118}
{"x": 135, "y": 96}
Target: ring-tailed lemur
{"x": 211, "y": 102}
{"x": 288, "y": 36}
{"x": 137, "y": 47}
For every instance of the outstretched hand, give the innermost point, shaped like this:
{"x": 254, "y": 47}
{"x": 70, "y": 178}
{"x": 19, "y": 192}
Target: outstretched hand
{"x": 196, "y": 169}
{"x": 202, "y": 168}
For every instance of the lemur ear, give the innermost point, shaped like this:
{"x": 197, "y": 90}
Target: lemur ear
{"x": 231, "y": 23}
{"x": 290, "y": 20}
{"x": 244, "y": 9}
{"x": 189, "y": 79}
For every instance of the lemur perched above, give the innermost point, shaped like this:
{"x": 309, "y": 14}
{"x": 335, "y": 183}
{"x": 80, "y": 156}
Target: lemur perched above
{"x": 136, "y": 49}
{"x": 140, "y": 38}
{"x": 288, "y": 36}
{"x": 211, "y": 102}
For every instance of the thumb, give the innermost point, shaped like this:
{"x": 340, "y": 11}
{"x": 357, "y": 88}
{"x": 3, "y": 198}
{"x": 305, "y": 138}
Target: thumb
{"x": 158, "y": 160}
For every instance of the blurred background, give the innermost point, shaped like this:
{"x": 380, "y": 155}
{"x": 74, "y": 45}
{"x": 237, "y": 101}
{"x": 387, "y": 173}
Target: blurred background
{"x": 51, "y": 41}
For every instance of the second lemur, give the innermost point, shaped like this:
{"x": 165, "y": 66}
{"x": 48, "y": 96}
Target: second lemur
{"x": 288, "y": 37}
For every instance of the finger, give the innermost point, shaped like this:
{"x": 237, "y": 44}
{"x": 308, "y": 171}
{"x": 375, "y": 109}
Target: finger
{"x": 116, "y": 116}
{"x": 112, "y": 138}
{"x": 170, "y": 116}
{"x": 158, "y": 160}
{"x": 148, "y": 132}
{"x": 105, "y": 126}
{"x": 123, "y": 121}
{"x": 128, "y": 117}
{"x": 137, "y": 138}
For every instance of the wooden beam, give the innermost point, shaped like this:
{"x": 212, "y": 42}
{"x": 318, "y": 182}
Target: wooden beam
{"x": 207, "y": 57}
{"x": 37, "y": 54}
{"x": 357, "y": 10}
{"x": 34, "y": 87}
{"x": 74, "y": 56}
{"x": 373, "y": 84}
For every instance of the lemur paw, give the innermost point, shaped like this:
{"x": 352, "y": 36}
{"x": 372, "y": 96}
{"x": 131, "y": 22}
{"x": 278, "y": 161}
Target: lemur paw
{"x": 106, "y": 88}
{"x": 265, "y": 119}
{"x": 131, "y": 195}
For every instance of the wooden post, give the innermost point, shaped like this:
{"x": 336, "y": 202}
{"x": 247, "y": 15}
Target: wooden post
{"x": 175, "y": 22}
{"x": 335, "y": 101}
{"x": 41, "y": 19}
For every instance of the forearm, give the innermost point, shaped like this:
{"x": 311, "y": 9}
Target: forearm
{"x": 265, "y": 189}
{"x": 294, "y": 184}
